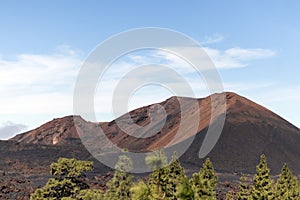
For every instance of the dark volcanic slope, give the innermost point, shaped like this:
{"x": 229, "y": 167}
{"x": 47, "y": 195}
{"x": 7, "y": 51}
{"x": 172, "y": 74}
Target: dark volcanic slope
{"x": 249, "y": 131}
{"x": 24, "y": 167}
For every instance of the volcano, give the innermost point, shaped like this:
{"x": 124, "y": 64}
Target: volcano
{"x": 249, "y": 131}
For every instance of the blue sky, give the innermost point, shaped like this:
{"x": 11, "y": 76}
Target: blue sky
{"x": 43, "y": 43}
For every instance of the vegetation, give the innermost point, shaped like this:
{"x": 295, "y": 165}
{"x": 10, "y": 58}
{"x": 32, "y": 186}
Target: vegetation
{"x": 263, "y": 185}
{"x": 163, "y": 181}
{"x": 140, "y": 191}
{"x": 167, "y": 182}
{"x": 244, "y": 190}
{"x": 185, "y": 190}
{"x": 68, "y": 179}
{"x": 118, "y": 188}
{"x": 205, "y": 182}
{"x": 229, "y": 195}
{"x": 287, "y": 186}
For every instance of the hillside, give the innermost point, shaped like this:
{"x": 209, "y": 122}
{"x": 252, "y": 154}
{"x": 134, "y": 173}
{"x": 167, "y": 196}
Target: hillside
{"x": 249, "y": 131}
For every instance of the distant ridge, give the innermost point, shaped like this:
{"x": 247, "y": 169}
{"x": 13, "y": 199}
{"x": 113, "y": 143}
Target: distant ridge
{"x": 249, "y": 131}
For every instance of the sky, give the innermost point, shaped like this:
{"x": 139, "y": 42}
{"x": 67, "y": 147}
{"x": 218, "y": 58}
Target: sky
{"x": 253, "y": 44}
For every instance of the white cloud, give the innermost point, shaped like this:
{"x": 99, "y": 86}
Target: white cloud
{"x": 237, "y": 57}
{"x": 9, "y": 129}
{"x": 223, "y": 59}
{"x": 212, "y": 39}
{"x": 230, "y": 58}
{"x": 38, "y": 83}
{"x": 27, "y": 69}
{"x": 249, "y": 54}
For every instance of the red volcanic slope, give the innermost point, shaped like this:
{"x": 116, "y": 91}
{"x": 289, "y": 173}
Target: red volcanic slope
{"x": 249, "y": 131}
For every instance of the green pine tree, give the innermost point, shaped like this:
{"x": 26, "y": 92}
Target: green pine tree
{"x": 185, "y": 191}
{"x": 165, "y": 178}
{"x": 140, "y": 191}
{"x": 205, "y": 181}
{"x": 244, "y": 190}
{"x": 175, "y": 175}
{"x": 294, "y": 193}
{"x": 156, "y": 160}
{"x": 118, "y": 188}
{"x": 229, "y": 195}
{"x": 68, "y": 179}
{"x": 90, "y": 194}
{"x": 263, "y": 184}
{"x": 287, "y": 186}
{"x": 157, "y": 181}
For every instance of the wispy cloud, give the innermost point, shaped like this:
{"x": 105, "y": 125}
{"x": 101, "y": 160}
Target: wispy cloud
{"x": 237, "y": 57}
{"x": 230, "y": 58}
{"x": 34, "y": 69}
{"x": 42, "y": 84}
{"x": 38, "y": 83}
{"x": 212, "y": 39}
{"x": 223, "y": 59}
{"x": 9, "y": 129}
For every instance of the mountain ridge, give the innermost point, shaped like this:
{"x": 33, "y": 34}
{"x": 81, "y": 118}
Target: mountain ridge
{"x": 249, "y": 130}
